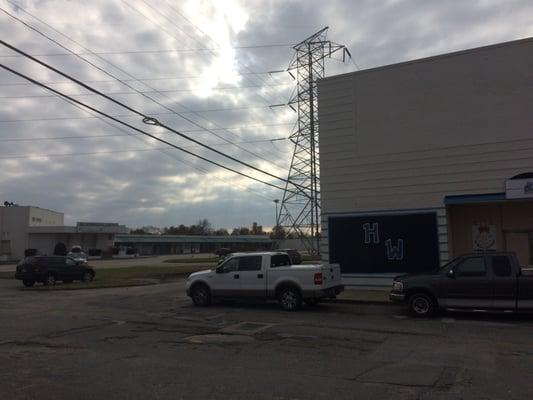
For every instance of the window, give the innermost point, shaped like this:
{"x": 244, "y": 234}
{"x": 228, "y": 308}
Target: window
{"x": 473, "y": 266}
{"x": 250, "y": 263}
{"x": 230, "y": 265}
{"x": 69, "y": 261}
{"x": 501, "y": 266}
{"x": 280, "y": 260}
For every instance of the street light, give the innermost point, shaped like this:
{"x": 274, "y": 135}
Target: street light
{"x": 276, "y": 220}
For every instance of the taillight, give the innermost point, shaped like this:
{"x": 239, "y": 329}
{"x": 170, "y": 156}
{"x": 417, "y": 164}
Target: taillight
{"x": 318, "y": 278}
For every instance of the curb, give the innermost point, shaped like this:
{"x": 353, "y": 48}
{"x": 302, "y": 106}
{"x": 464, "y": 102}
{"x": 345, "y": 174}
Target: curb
{"x": 357, "y": 301}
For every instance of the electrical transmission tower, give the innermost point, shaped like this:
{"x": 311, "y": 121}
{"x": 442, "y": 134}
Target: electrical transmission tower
{"x": 300, "y": 208}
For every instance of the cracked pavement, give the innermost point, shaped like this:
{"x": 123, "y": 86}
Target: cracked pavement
{"x": 150, "y": 342}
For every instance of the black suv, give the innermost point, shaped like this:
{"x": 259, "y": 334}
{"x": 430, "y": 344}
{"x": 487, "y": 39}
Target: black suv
{"x": 49, "y": 269}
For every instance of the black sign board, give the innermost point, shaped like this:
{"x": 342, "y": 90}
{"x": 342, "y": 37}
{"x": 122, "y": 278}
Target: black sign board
{"x": 385, "y": 243}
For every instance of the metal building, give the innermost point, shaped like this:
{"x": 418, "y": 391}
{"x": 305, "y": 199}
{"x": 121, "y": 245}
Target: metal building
{"x": 427, "y": 159}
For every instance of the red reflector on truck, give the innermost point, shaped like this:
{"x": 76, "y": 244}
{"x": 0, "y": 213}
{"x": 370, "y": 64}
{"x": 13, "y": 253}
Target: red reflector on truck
{"x": 318, "y": 278}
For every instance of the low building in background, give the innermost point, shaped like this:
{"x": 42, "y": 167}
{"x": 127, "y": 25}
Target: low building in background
{"x": 38, "y": 230}
{"x": 190, "y": 244}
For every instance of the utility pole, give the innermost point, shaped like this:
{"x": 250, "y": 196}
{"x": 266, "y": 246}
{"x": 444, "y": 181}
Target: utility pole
{"x": 300, "y": 207}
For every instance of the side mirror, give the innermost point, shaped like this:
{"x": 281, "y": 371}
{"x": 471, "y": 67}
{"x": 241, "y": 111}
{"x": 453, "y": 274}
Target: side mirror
{"x": 219, "y": 270}
{"x": 519, "y": 273}
{"x": 450, "y": 273}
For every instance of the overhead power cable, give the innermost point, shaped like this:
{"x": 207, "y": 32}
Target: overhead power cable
{"x": 165, "y": 151}
{"x": 141, "y": 91}
{"x": 71, "y": 99}
{"x": 181, "y": 114}
{"x": 139, "y": 137}
{"x": 172, "y": 22}
{"x": 158, "y": 78}
{"x": 49, "y": 138}
{"x": 162, "y": 51}
{"x": 157, "y": 113}
{"x": 146, "y": 119}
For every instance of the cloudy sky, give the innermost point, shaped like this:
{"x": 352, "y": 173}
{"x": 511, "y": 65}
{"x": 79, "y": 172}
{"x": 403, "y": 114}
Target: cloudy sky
{"x": 206, "y": 63}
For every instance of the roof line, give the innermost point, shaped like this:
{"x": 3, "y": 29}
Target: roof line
{"x": 432, "y": 58}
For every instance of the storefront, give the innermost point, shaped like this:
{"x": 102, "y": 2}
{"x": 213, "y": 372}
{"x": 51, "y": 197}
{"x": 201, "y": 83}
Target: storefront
{"x": 494, "y": 222}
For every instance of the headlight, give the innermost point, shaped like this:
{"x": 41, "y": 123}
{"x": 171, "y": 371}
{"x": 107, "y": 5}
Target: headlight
{"x": 397, "y": 286}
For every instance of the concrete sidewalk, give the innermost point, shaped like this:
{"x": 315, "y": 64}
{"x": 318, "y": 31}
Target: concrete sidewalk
{"x": 369, "y": 296}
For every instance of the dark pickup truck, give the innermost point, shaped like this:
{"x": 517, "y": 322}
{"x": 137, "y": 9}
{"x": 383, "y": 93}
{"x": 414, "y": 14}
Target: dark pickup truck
{"x": 489, "y": 281}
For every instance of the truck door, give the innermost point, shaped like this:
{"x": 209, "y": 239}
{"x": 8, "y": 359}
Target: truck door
{"x": 504, "y": 282}
{"x": 470, "y": 286}
{"x": 252, "y": 276}
{"x": 226, "y": 281}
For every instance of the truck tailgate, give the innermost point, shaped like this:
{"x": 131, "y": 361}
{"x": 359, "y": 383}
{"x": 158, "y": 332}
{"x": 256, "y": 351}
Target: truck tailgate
{"x": 331, "y": 275}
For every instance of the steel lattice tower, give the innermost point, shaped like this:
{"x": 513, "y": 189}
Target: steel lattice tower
{"x": 300, "y": 208}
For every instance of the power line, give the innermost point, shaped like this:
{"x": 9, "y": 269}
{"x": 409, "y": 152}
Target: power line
{"x": 162, "y": 78}
{"x": 156, "y": 10}
{"x": 54, "y": 155}
{"x": 160, "y": 113}
{"x": 135, "y": 116}
{"x": 146, "y": 119}
{"x": 49, "y": 138}
{"x": 162, "y": 28}
{"x": 144, "y": 91}
{"x": 120, "y": 80}
{"x": 178, "y": 12}
{"x": 71, "y": 99}
{"x": 162, "y": 150}
{"x": 162, "y": 51}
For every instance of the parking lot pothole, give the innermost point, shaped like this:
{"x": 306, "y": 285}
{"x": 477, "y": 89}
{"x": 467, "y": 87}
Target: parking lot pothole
{"x": 246, "y": 328}
{"x": 217, "y": 338}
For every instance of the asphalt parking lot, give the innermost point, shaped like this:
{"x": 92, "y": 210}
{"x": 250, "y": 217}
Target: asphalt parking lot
{"x": 150, "y": 342}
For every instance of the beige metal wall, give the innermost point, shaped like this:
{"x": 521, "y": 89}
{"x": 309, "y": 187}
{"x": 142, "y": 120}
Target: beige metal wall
{"x": 404, "y": 136}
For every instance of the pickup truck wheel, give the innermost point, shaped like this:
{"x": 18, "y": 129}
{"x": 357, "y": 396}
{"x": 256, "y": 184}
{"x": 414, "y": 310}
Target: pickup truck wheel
{"x": 201, "y": 296}
{"x": 290, "y": 298}
{"x": 422, "y": 305}
{"x": 28, "y": 282}
{"x": 49, "y": 280}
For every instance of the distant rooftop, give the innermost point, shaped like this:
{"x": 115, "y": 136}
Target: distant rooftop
{"x": 192, "y": 239}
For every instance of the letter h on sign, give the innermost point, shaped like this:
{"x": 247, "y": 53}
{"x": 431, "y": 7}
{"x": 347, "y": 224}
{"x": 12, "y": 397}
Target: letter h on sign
{"x": 371, "y": 232}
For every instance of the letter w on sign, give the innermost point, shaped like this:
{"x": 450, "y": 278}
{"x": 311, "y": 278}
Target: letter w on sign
{"x": 394, "y": 252}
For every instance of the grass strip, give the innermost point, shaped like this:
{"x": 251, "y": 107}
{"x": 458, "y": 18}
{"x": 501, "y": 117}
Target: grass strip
{"x": 118, "y": 277}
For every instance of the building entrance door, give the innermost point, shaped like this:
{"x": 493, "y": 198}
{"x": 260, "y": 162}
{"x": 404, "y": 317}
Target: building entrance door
{"x": 522, "y": 244}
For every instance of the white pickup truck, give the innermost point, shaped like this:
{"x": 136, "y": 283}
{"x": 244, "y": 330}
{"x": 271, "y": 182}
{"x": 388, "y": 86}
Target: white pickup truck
{"x": 266, "y": 275}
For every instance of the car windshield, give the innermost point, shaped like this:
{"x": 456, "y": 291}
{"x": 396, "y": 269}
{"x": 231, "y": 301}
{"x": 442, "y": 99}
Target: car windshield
{"x": 222, "y": 259}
